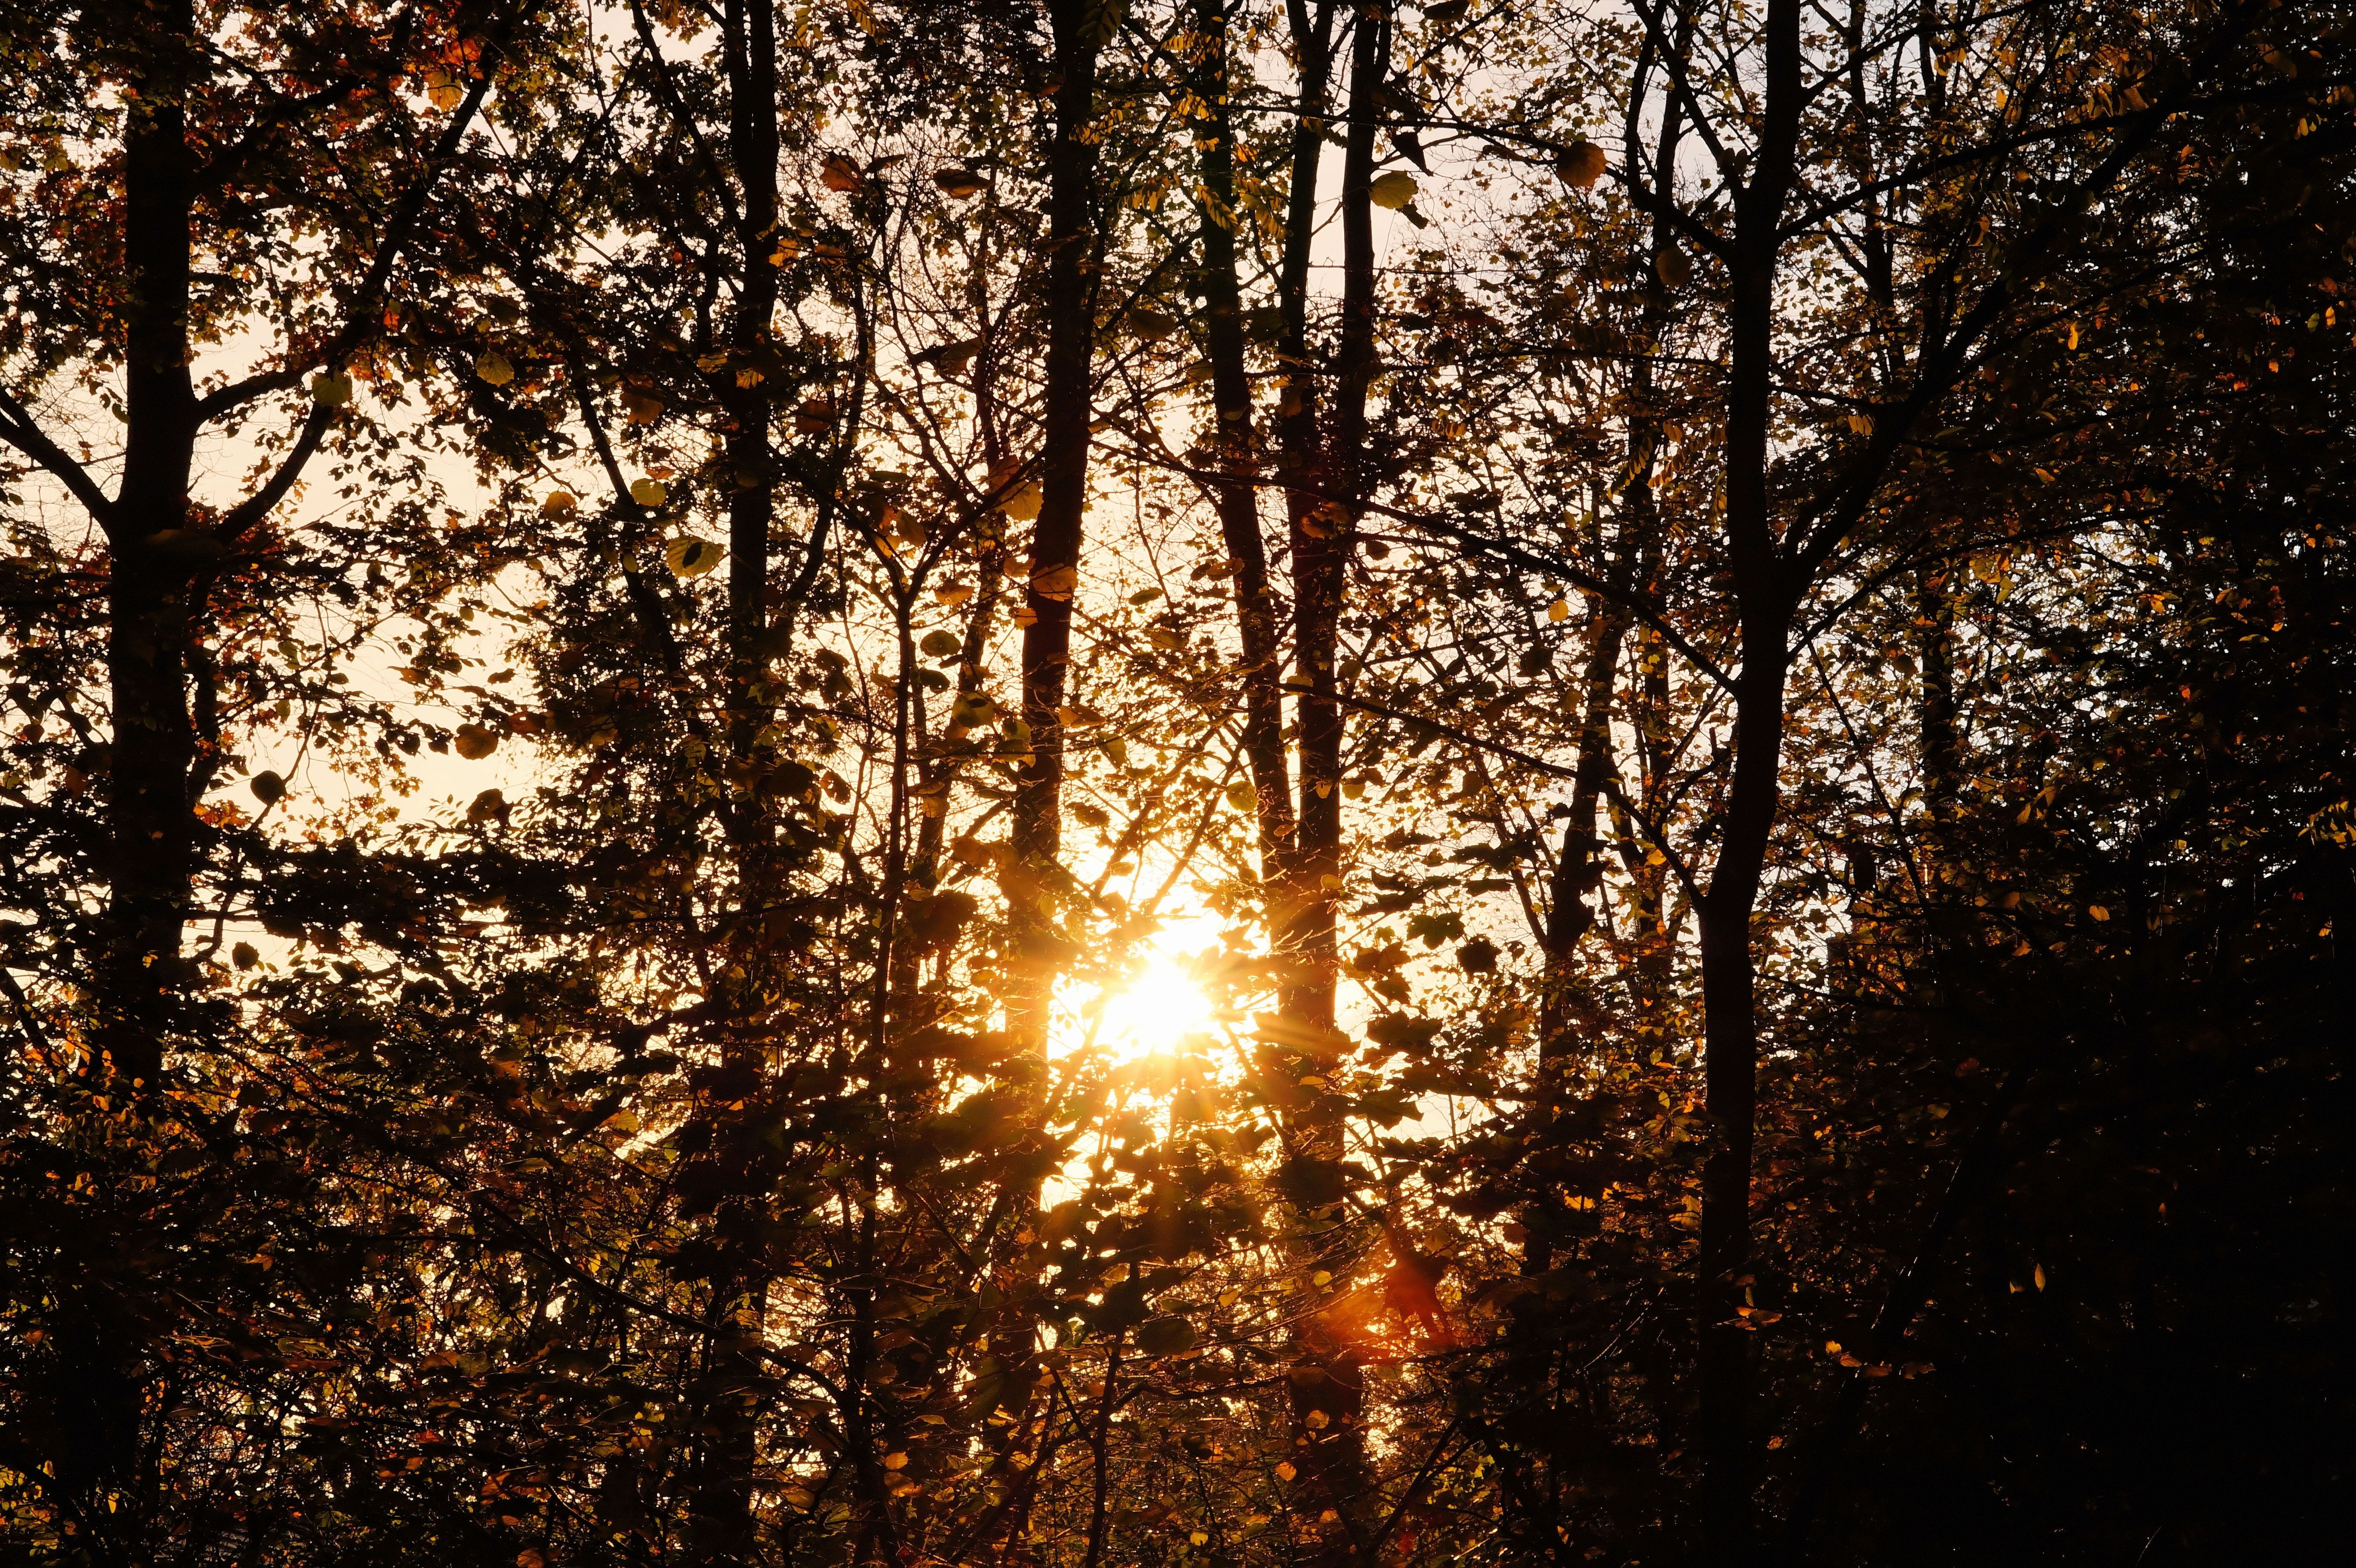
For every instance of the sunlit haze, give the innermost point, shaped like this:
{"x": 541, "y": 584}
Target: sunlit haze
{"x": 1155, "y": 1012}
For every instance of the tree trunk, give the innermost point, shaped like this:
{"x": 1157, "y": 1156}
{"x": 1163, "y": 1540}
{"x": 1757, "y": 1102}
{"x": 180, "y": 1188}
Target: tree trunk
{"x": 1322, "y": 538}
{"x": 750, "y": 55}
{"x": 1055, "y": 542}
{"x": 1580, "y": 869}
{"x": 1327, "y": 1379}
{"x": 721, "y": 1526}
{"x": 1764, "y": 605}
{"x": 1934, "y": 626}
{"x": 1299, "y": 461}
{"x": 154, "y": 743}
{"x": 1729, "y": 981}
{"x": 138, "y": 971}
{"x": 1238, "y": 496}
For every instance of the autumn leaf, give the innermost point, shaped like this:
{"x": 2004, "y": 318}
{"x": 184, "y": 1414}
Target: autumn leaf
{"x": 688, "y": 556}
{"x": 474, "y": 742}
{"x": 493, "y": 367}
{"x": 1022, "y": 503}
{"x": 840, "y": 172}
{"x": 1581, "y": 164}
{"x": 1165, "y": 1336}
{"x": 1100, "y": 21}
{"x": 1392, "y": 191}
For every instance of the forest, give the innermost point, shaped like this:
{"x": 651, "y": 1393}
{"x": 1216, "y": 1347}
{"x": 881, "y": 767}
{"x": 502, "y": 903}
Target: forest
{"x": 1177, "y": 783}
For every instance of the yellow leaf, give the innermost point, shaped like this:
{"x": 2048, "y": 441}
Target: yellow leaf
{"x": 895, "y": 1461}
{"x": 2097, "y": 911}
{"x": 1285, "y": 1471}
{"x": 839, "y": 172}
{"x": 1100, "y": 21}
{"x": 474, "y": 742}
{"x": 688, "y": 556}
{"x": 2037, "y": 1276}
{"x": 331, "y": 389}
{"x": 1023, "y": 505}
{"x": 1392, "y": 191}
{"x": 1581, "y": 164}
{"x": 494, "y": 368}
{"x": 560, "y": 504}
{"x": 1151, "y": 325}
{"x": 647, "y": 493}
{"x": 1558, "y": 611}
{"x": 958, "y": 184}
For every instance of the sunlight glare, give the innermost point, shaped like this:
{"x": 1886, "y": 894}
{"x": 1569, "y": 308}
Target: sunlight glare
{"x": 1156, "y": 1011}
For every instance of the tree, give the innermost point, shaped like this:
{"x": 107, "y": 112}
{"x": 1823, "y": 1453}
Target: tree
{"x": 992, "y": 816}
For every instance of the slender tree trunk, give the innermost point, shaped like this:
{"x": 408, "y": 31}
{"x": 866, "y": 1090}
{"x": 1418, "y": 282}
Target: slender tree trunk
{"x": 1055, "y": 544}
{"x": 721, "y": 1526}
{"x": 1045, "y": 616}
{"x": 154, "y": 742}
{"x": 1731, "y": 1039}
{"x": 1934, "y": 628}
{"x": 1580, "y": 869}
{"x": 1729, "y": 980}
{"x": 750, "y": 51}
{"x": 139, "y": 973}
{"x": 1321, "y": 545}
{"x": 1328, "y": 1376}
{"x": 1299, "y": 457}
{"x": 1238, "y": 496}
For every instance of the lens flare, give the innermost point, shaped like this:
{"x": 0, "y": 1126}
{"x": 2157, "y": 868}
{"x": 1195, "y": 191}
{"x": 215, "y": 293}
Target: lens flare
{"x": 1155, "y": 1012}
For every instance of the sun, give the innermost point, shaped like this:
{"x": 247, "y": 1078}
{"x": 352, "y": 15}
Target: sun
{"x": 1155, "y": 1012}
